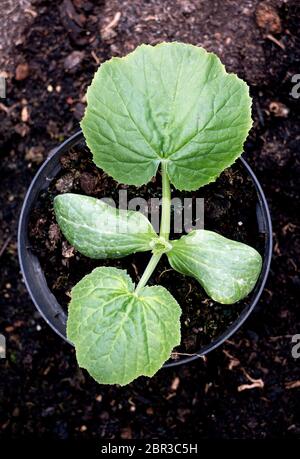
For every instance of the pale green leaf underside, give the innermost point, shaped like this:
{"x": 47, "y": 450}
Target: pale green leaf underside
{"x": 172, "y": 102}
{"x": 119, "y": 335}
{"x": 98, "y": 230}
{"x": 226, "y": 269}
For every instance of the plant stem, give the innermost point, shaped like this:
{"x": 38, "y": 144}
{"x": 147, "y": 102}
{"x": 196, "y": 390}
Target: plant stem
{"x": 148, "y": 271}
{"x": 166, "y": 204}
{"x": 164, "y": 227}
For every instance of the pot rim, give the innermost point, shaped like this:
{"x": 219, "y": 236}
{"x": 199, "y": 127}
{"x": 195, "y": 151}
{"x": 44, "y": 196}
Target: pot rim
{"x": 58, "y": 319}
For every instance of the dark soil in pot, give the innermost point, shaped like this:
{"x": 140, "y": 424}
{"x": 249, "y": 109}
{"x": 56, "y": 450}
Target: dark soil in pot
{"x": 230, "y": 209}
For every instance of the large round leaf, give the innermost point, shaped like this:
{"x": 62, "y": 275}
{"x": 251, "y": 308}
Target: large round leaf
{"x": 172, "y": 102}
{"x": 119, "y": 334}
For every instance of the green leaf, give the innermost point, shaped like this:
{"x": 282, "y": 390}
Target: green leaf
{"x": 119, "y": 334}
{"x": 173, "y": 102}
{"x": 98, "y": 230}
{"x": 226, "y": 269}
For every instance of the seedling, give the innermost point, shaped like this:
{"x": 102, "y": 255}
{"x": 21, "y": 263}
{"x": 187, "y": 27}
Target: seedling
{"x": 173, "y": 107}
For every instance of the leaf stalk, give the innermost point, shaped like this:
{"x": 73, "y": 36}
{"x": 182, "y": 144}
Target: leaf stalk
{"x": 165, "y": 225}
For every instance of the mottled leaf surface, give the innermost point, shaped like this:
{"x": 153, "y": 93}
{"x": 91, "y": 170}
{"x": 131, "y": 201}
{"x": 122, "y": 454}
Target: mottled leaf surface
{"x": 226, "y": 269}
{"x": 118, "y": 334}
{"x": 98, "y": 230}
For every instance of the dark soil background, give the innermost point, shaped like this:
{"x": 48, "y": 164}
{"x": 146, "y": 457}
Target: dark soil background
{"x": 249, "y": 388}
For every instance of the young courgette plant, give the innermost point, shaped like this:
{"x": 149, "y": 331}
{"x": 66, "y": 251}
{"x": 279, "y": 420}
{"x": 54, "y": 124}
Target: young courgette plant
{"x": 171, "y": 107}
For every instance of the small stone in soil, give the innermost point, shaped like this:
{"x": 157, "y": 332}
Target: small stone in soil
{"x": 267, "y": 18}
{"x": 65, "y": 183}
{"x": 54, "y": 235}
{"x": 73, "y": 60}
{"x": 35, "y": 154}
{"x": 67, "y": 250}
{"x": 22, "y": 72}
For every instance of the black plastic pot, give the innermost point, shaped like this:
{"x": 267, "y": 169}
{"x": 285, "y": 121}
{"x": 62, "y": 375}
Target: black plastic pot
{"x": 46, "y": 302}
